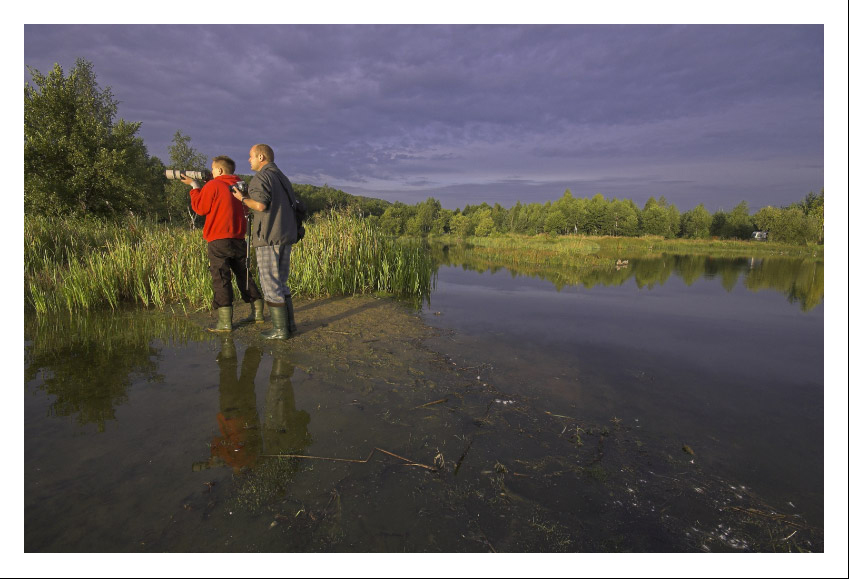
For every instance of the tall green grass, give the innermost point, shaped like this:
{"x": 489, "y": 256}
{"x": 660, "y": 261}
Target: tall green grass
{"x": 342, "y": 254}
{"x": 73, "y": 264}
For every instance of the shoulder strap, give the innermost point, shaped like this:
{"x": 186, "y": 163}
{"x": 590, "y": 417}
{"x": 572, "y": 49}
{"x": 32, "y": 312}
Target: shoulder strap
{"x": 289, "y": 195}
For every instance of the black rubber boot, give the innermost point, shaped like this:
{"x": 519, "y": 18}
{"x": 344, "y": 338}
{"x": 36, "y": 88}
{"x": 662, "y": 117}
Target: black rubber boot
{"x": 257, "y": 316}
{"x": 290, "y": 310}
{"x": 225, "y": 320}
{"x": 279, "y": 324}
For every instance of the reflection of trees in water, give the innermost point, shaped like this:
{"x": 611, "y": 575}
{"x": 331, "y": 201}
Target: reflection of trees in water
{"x": 88, "y": 362}
{"x": 801, "y": 280}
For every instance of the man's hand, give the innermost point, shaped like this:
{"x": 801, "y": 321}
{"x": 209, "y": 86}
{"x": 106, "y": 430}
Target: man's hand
{"x": 247, "y": 201}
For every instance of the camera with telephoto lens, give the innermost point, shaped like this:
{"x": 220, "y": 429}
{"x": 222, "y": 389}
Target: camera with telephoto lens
{"x": 239, "y": 186}
{"x": 179, "y": 174}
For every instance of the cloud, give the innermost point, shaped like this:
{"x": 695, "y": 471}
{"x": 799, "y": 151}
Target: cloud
{"x": 390, "y": 107}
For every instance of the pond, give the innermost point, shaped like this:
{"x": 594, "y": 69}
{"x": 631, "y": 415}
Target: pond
{"x": 672, "y": 404}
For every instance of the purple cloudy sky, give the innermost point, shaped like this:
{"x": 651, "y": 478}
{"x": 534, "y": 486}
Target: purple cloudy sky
{"x": 711, "y": 114}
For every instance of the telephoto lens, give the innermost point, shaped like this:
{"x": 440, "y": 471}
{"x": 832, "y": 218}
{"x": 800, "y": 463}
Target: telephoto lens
{"x": 178, "y": 174}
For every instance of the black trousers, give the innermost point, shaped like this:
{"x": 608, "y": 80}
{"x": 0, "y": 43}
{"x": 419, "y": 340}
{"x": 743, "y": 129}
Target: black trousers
{"x": 226, "y": 255}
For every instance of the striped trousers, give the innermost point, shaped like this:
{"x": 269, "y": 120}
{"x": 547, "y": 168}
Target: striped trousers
{"x": 272, "y": 262}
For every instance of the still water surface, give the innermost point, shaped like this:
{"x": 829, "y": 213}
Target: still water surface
{"x": 126, "y": 416}
{"x": 733, "y": 372}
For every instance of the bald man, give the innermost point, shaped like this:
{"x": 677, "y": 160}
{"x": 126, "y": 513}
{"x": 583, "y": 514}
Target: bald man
{"x": 275, "y": 230}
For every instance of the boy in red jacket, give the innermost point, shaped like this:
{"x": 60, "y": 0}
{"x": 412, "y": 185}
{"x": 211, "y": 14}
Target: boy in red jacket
{"x": 224, "y": 232}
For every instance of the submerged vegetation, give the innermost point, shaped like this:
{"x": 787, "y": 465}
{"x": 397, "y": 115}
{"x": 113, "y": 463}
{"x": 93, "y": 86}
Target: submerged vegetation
{"x": 78, "y": 264}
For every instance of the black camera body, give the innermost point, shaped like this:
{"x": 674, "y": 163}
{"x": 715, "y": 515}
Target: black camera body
{"x": 239, "y": 186}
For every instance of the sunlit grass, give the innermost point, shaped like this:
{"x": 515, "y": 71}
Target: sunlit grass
{"x": 73, "y": 264}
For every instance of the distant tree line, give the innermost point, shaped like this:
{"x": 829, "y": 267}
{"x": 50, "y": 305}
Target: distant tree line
{"x": 800, "y": 222}
{"x": 79, "y": 159}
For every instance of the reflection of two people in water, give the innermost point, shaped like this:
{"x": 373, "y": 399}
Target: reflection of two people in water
{"x": 244, "y": 437}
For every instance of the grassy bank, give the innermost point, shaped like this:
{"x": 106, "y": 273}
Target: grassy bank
{"x": 76, "y": 264}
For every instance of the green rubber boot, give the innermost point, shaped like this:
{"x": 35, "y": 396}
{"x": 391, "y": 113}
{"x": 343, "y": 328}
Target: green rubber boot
{"x": 290, "y": 310}
{"x": 257, "y": 316}
{"x": 225, "y": 320}
{"x": 279, "y": 324}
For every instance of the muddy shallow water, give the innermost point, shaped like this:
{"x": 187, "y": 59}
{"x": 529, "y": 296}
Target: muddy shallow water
{"x": 372, "y": 430}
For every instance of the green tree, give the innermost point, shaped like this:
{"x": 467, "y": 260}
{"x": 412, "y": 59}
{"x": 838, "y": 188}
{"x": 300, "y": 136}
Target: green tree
{"x": 514, "y": 223}
{"x": 626, "y": 217}
{"x": 599, "y": 220}
{"x": 673, "y": 218}
{"x": 767, "y": 218}
{"x": 426, "y": 214}
{"x": 485, "y": 225}
{"x": 718, "y": 224}
{"x": 77, "y": 158}
{"x": 499, "y": 217}
{"x": 574, "y": 212}
{"x": 555, "y": 222}
{"x": 739, "y": 223}
{"x": 459, "y": 225}
{"x": 392, "y": 221}
{"x": 795, "y": 227}
{"x": 813, "y": 207}
{"x": 654, "y": 219}
{"x": 695, "y": 223}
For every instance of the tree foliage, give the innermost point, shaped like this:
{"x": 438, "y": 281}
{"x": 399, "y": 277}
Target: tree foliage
{"x": 695, "y": 223}
{"x": 77, "y": 158}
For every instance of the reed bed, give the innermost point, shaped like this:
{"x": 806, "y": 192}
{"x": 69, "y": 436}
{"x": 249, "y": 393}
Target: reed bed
{"x": 75, "y": 265}
{"x": 346, "y": 255}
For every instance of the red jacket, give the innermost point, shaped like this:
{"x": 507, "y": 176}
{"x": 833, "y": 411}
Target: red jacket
{"x": 225, "y": 216}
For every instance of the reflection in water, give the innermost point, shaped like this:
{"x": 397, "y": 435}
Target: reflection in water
{"x": 88, "y": 362}
{"x": 243, "y": 436}
{"x": 802, "y": 281}
{"x": 284, "y": 428}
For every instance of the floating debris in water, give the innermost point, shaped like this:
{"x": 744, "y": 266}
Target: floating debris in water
{"x": 499, "y": 401}
{"x": 688, "y": 450}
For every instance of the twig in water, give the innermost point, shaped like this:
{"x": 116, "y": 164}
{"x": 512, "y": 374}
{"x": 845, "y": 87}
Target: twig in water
{"x": 774, "y": 516}
{"x": 432, "y": 403}
{"x": 558, "y": 415}
{"x": 359, "y": 461}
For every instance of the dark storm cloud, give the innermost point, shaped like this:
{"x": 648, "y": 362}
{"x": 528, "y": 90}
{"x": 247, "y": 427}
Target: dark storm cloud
{"x": 473, "y": 112}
